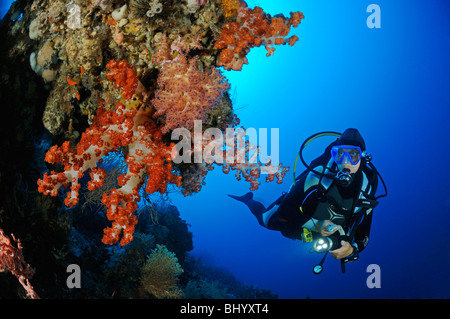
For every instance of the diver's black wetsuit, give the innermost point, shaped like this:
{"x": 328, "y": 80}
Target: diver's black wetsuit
{"x": 306, "y": 203}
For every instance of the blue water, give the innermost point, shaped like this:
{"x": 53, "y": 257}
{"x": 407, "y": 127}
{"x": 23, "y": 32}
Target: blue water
{"x": 390, "y": 83}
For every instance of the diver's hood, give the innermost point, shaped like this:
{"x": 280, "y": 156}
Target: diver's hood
{"x": 351, "y": 136}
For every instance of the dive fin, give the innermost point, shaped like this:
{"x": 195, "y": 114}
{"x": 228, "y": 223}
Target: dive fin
{"x": 255, "y": 207}
{"x": 244, "y": 198}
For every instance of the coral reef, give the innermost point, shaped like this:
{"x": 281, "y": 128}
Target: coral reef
{"x": 165, "y": 79}
{"x": 146, "y": 154}
{"x": 99, "y": 79}
{"x": 205, "y": 281}
{"x": 122, "y": 274}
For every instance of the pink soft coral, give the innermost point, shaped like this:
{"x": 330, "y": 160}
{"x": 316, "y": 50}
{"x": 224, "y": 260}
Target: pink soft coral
{"x": 185, "y": 93}
{"x": 11, "y": 259}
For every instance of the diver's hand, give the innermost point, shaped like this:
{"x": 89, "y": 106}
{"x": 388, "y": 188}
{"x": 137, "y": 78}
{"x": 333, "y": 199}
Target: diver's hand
{"x": 323, "y": 228}
{"x": 344, "y": 251}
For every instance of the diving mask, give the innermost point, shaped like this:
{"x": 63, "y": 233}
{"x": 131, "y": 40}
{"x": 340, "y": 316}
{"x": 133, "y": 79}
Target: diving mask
{"x": 343, "y": 154}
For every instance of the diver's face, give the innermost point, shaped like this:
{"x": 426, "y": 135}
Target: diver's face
{"x": 345, "y": 156}
{"x": 349, "y": 166}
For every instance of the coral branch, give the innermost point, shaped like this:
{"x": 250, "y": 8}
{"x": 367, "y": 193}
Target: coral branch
{"x": 184, "y": 92}
{"x": 11, "y": 259}
{"x": 242, "y": 158}
{"x": 147, "y": 155}
{"x": 253, "y": 28}
{"x": 124, "y": 76}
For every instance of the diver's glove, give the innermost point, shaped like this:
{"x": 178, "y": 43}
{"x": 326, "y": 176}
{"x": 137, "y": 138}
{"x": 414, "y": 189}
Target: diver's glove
{"x": 354, "y": 256}
{"x": 326, "y": 228}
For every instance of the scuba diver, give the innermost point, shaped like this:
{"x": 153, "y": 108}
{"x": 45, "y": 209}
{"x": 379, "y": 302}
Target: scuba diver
{"x": 332, "y": 201}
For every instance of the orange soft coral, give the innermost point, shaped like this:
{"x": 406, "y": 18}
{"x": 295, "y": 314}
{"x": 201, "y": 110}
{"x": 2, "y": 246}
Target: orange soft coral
{"x": 231, "y": 7}
{"x": 147, "y": 156}
{"x": 253, "y": 28}
{"x": 124, "y": 76}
